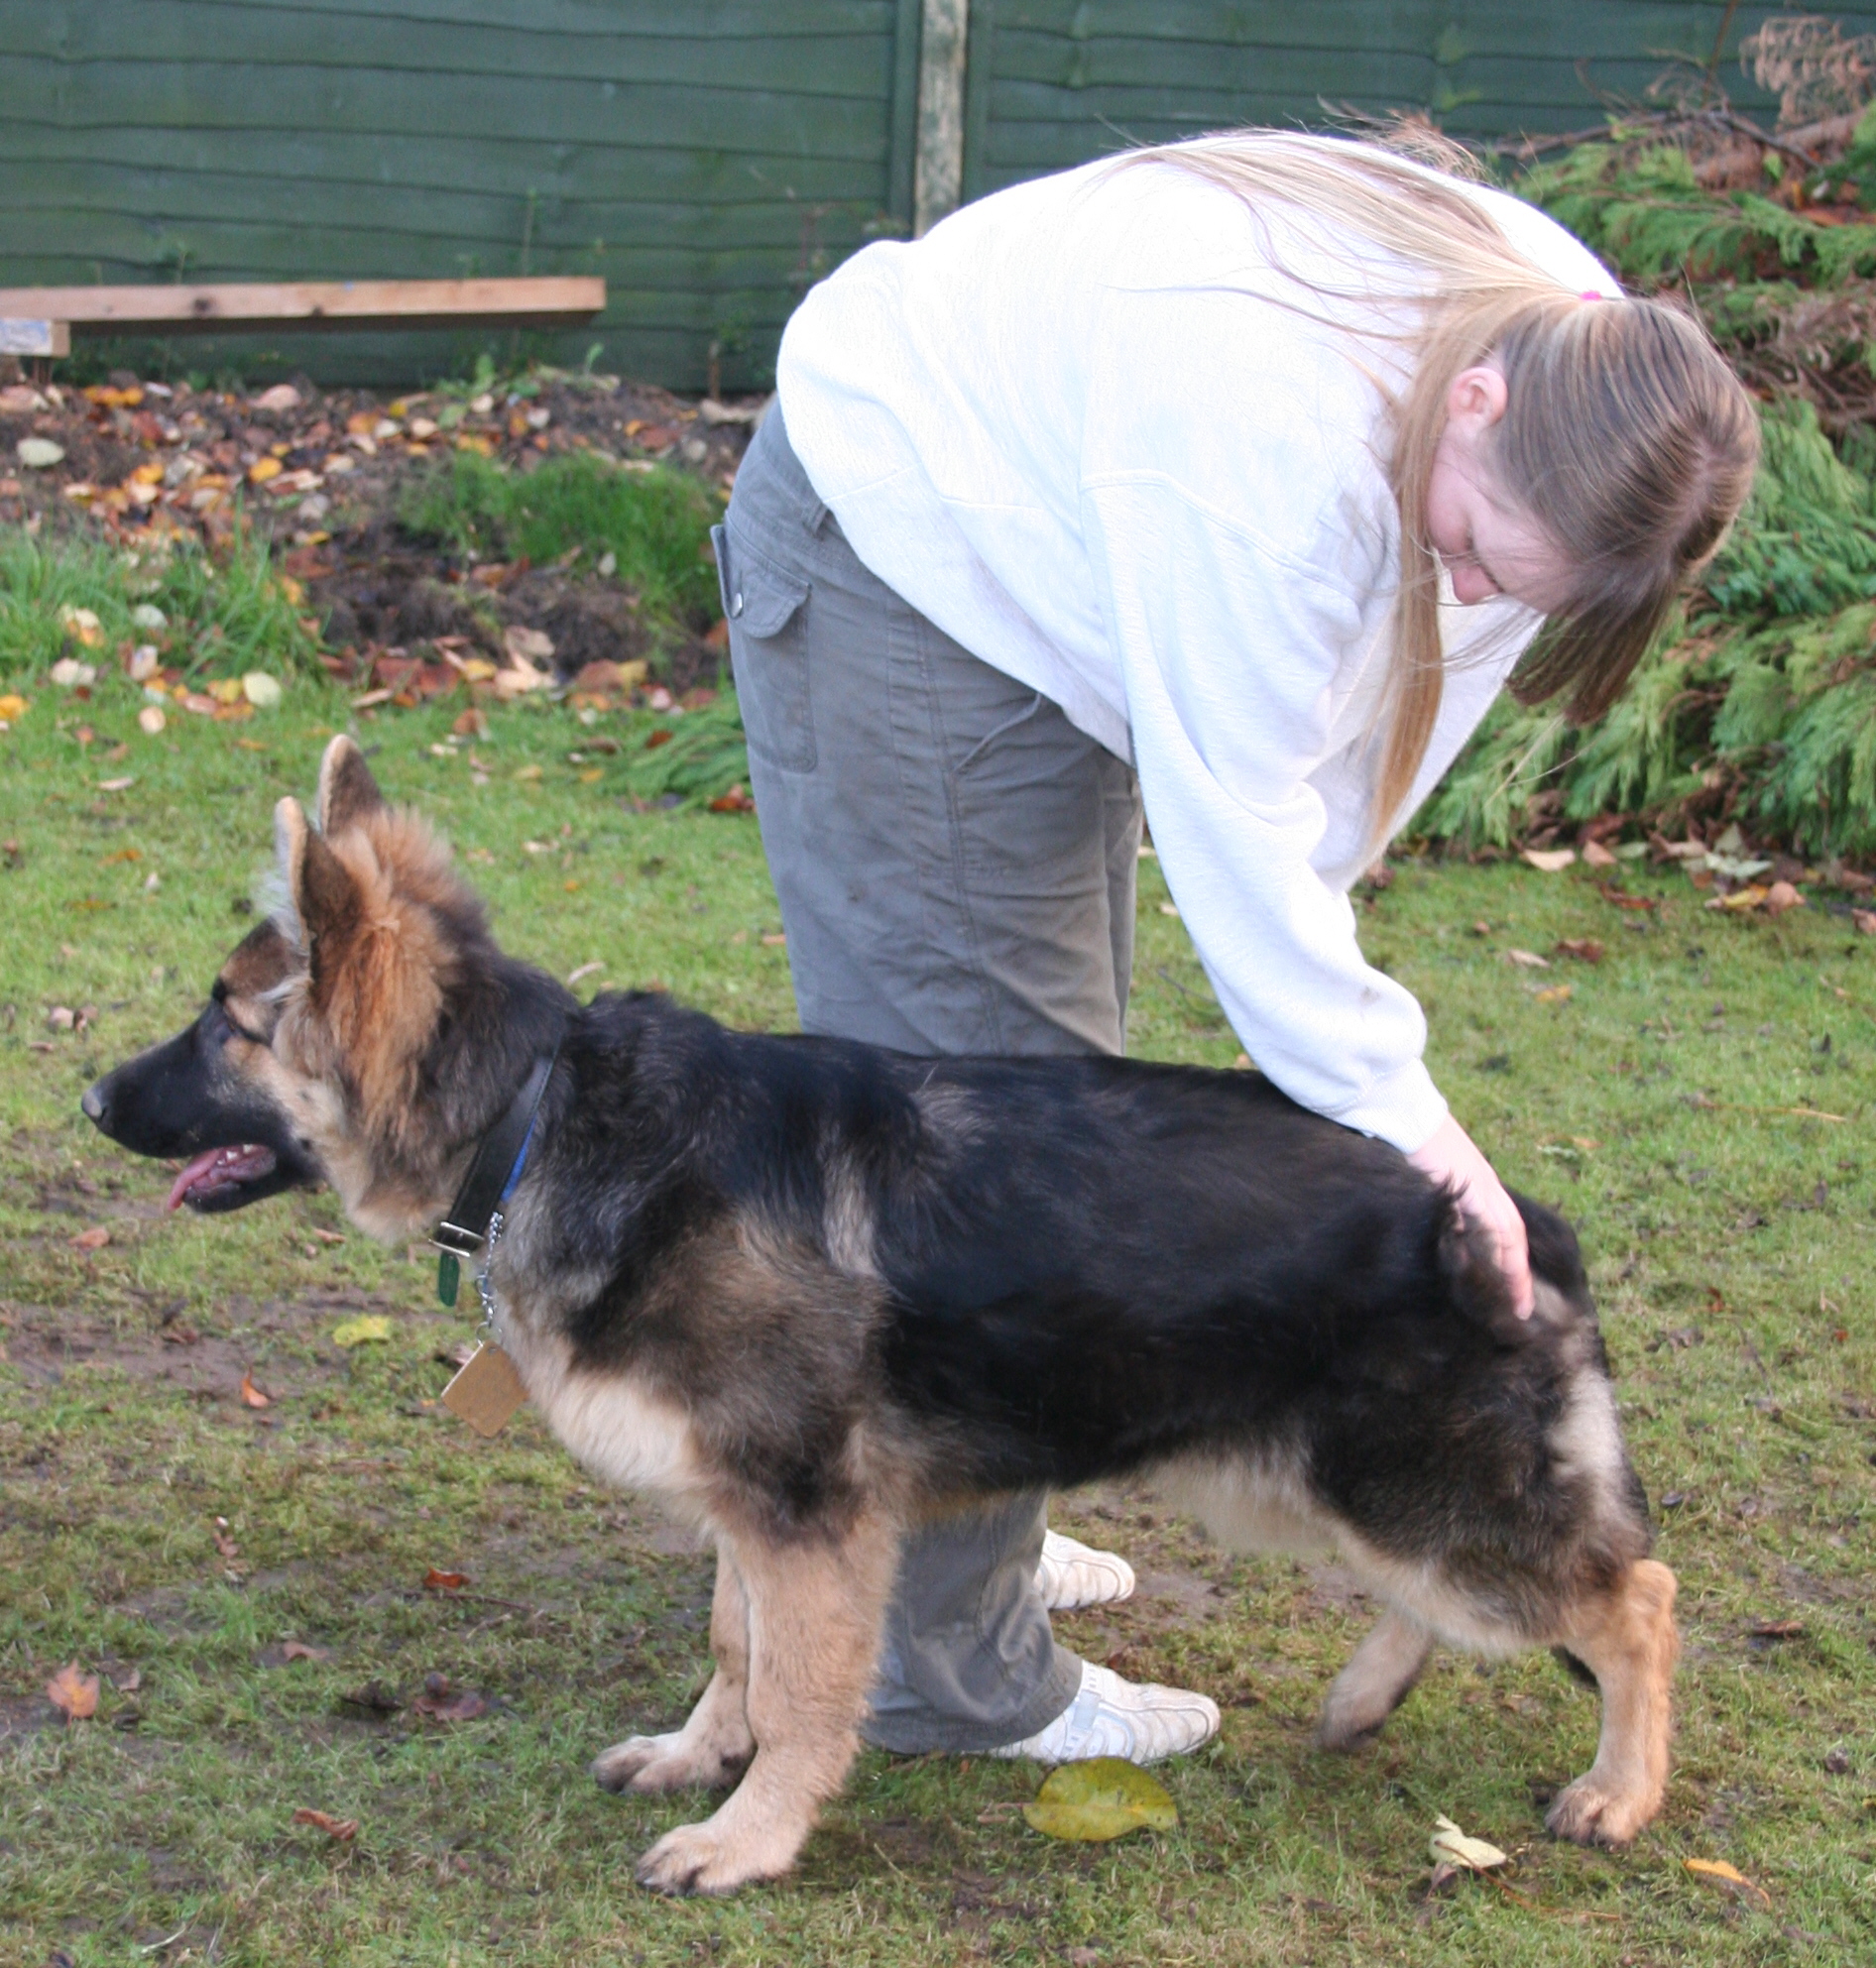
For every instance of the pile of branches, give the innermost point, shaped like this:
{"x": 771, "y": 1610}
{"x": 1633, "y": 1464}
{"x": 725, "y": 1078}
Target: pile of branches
{"x": 1757, "y": 708}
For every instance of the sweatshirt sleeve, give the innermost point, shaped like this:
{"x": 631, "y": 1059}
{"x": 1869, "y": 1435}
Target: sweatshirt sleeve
{"x": 1229, "y": 652}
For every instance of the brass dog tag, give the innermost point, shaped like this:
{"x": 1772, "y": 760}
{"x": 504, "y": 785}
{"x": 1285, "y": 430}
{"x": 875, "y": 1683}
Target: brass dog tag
{"x": 486, "y": 1390}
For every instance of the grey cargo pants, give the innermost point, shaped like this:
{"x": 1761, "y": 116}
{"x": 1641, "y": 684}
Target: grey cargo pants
{"x": 955, "y": 864}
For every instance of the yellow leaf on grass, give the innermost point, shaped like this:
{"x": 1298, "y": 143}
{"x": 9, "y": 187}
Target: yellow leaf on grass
{"x": 1718, "y": 1869}
{"x": 1555, "y": 995}
{"x": 361, "y": 1332}
{"x": 12, "y": 708}
{"x": 264, "y": 469}
{"x": 1449, "y": 1846}
{"x": 83, "y": 626}
{"x": 1104, "y": 1799}
{"x": 260, "y": 690}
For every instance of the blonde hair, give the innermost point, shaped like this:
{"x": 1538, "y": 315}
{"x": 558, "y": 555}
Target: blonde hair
{"x": 1625, "y": 434}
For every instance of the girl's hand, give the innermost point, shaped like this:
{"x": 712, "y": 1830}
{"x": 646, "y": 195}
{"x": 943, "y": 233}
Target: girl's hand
{"x": 1451, "y": 1156}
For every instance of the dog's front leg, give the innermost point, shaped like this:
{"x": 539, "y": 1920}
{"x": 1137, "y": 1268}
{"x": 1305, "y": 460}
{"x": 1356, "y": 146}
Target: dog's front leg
{"x": 816, "y": 1602}
{"x": 712, "y": 1748}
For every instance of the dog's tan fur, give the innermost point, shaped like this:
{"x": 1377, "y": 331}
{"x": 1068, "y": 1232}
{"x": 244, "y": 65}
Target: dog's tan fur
{"x": 343, "y": 998}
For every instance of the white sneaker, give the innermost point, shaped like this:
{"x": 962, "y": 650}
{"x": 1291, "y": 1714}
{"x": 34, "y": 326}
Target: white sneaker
{"x": 1073, "y": 1575}
{"x": 1142, "y": 1724}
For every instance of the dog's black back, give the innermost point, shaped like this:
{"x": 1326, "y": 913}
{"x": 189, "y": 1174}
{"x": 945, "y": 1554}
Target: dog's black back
{"x": 1089, "y": 1266}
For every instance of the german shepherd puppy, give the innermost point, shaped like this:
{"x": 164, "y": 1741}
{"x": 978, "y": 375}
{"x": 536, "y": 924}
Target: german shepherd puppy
{"x": 808, "y": 1293}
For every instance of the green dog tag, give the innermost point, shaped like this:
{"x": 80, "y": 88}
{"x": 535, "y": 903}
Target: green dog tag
{"x": 448, "y": 1273}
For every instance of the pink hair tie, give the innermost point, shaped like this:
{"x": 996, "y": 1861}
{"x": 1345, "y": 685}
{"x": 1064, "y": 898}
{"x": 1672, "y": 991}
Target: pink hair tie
{"x": 1590, "y": 294}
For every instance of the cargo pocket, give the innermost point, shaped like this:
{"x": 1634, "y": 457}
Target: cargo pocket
{"x": 768, "y": 610}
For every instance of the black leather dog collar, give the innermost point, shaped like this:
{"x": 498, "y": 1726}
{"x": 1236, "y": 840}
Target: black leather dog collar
{"x": 491, "y": 1177}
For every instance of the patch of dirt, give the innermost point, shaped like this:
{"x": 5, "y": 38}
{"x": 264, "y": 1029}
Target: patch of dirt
{"x": 24, "y": 1715}
{"x": 381, "y": 593}
{"x": 178, "y": 1348}
{"x": 1335, "y": 1585}
{"x": 334, "y": 465}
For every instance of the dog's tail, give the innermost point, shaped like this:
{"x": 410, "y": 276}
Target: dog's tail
{"x": 1469, "y": 1263}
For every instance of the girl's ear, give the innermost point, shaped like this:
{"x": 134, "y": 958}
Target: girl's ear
{"x": 1475, "y": 400}
{"x": 324, "y": 896}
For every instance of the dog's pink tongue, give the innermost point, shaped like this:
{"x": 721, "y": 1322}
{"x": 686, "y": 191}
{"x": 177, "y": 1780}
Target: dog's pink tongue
{"x": 229, "y": 1166}
{"x": 197, "y": 1168}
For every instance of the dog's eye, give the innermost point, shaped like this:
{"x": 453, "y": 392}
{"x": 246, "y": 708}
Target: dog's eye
{"x": 242, "y": 1032}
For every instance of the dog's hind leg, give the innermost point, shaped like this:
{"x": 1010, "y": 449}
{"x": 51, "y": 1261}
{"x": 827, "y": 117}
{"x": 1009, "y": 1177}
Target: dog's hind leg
{"x": 1376, "y": 1681}
{"x": 712, "y": 1748}
{"x": 816, "y": 1603}
{"x": 1625, "y": 1635}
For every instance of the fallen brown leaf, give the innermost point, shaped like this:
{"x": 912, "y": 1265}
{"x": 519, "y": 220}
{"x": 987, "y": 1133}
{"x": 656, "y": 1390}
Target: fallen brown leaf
{"x": 1595, "y": 855}
{"x": 95, "y": 1239}
{"x": 73, "y": 1693}
{"x": 1778, "y": 1628}
{"x": 344, "y": 1829}
{"x": 1586, "y": 949}
{"x": 251, "y": 1396}
{"x": 444, "y": 1581}
{"x": 437, "y": 1702}
{"x": 1550, "y": 860}
{"x": 1527, "y": 960}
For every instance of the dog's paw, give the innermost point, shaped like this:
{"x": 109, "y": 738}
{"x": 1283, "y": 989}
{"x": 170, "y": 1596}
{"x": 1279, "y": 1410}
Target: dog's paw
{"x": 1344, "y": 1733}
{"x": 1591, "y": 1812}
{"x": 705, "y": 1858}
{"x": 651, "y": 1764}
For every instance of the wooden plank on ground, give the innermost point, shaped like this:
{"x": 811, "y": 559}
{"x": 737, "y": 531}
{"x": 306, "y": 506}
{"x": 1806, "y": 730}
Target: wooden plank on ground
{"x": 557, "y": 301}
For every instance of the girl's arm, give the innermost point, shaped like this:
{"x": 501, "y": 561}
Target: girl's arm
{"x": 1230, "y": 653}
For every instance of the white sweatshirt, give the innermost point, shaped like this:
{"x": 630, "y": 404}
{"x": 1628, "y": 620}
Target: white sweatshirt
{"x": 1083, "y": 426}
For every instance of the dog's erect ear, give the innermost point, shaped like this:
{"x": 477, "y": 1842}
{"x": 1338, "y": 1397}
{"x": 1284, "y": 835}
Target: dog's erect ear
{"x": 324, "y": 896}
{"x": 347, "y": 790}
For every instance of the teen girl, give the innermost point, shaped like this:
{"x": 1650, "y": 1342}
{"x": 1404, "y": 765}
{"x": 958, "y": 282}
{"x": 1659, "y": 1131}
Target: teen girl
{"x": 1230, "y": 479}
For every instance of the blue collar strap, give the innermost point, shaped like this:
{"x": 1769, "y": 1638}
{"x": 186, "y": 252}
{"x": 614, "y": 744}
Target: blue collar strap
{"x": 492, "y": 1177}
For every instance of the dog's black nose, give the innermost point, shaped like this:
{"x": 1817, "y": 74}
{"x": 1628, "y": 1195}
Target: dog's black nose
{"x": 95, "y": 1105}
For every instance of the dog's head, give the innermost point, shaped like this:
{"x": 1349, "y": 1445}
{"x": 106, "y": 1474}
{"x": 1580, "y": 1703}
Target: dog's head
{"x": 366, "y": 1035}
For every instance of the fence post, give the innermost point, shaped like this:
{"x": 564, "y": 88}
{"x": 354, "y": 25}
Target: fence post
{"x": 938, "y": 179}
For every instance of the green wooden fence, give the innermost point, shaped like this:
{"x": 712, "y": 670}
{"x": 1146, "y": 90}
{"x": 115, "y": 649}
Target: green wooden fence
{"x": 710, "y": 157}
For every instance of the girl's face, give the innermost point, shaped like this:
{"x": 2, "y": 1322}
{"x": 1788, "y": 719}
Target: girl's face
{"x": 1489, "y": 544}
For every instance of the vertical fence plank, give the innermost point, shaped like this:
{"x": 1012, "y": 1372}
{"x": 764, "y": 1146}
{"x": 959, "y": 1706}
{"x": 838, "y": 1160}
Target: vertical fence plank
{"x": 943, "y": 54}
{"x": 901, "y": 168}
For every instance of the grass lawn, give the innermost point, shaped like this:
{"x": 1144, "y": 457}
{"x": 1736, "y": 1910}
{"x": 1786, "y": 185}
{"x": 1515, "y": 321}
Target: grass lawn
{"x": 157, "y": 1530}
